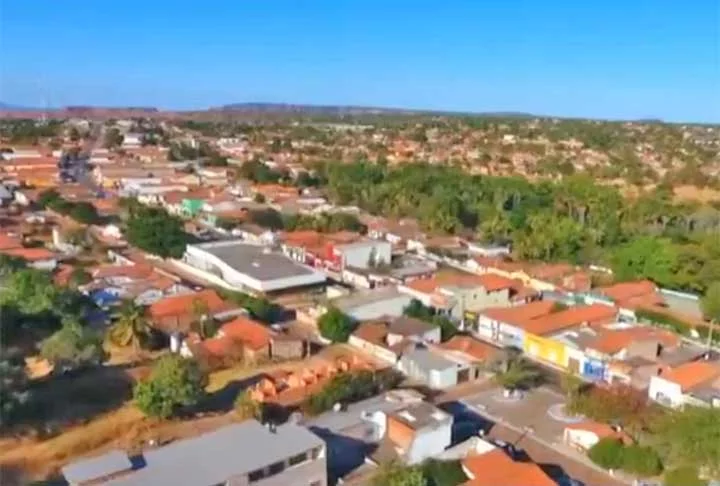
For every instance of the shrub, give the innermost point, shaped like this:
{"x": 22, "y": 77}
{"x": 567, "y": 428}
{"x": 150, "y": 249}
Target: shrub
{"x": 174, "y": 382}
{"x": 642, "y": 461}
{"x": 607, "y": 453}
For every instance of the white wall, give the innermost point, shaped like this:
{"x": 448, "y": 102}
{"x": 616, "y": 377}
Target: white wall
{"x": 430, "y": 442}
{"x": 389, "y": 307}
{"x": 373, "y": 349}
{"x": 358, "y": 254}
{"x": 665, "y": 392}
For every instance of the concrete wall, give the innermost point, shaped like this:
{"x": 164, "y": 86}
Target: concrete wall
{"x": 429, "y": 443}
{"x": 373, "y": 349}
{"x": 665, "y": 392}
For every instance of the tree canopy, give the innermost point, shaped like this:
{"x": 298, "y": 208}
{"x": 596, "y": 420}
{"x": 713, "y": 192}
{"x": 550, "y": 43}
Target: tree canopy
{"x": 73, "y": 346}
{"x": 335, "y": 326}
{"x": 157, "y": 232}
{"x": 174, "y": 382}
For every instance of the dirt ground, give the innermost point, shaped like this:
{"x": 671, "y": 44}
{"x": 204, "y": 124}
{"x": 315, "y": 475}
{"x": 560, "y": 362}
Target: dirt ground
{"x": 99, "y": 405}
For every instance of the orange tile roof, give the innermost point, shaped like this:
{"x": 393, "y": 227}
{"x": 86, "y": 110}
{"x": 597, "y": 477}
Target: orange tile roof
{"x": 62, "y": 274}
{"x": 613, "y": 341}
{"x": 140, "y": 270}
{"x": 690, "y": 375}
{"x": 495, "y": 468}
{"x": 574, "y": 316}
{"x": 249, "y": 332}
{"x": 627, "y": 290}
{"x": 30, "y": 254}
{"x": 183, "y": 304}
{"x": 472, "y": 347}
{"x": 520, "y": 314}
{"x": 8, "y": 242}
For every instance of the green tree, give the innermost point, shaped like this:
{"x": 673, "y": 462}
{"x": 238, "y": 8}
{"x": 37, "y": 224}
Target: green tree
{"x": 84, "y": 212}
{"x": 73, "y": 346}
{"x": 131, "y": 327}
{"x": 607, "y": 453}
{"x": 47, "y": 197}
{"x": 10, "y": 264}
{"x": 113, "y": 138}
{"x": 646, "y": 257}
{"x": 259, "y": 198}
{"x": 711, "y": 305}
{"x": 31, "y": 290}
{"x": 690, "y": 437}
{"x": 514, "y": 373}
{"x": 174, "y": 382}
{"x": 395, "y": 474}
{"x": 335, "y": 326}
{"x": 14, "y": 393}
{"x": 571, "y": 384}
{"x": 155, "y": 231}
{"x": 79, "y": 276}
{"x": 641, "y": 461}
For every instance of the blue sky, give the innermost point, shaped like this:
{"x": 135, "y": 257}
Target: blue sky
{"x": 607, "y": 59}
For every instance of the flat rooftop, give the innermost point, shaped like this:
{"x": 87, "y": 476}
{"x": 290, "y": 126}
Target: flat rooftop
{"x": 367, "y": 297}
{"x": 214, "y": 457}
{"x": 421, "y": 415}
{"x": 255, "y": 261}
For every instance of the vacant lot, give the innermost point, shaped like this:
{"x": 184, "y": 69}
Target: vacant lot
{"x": 99, "y": 406}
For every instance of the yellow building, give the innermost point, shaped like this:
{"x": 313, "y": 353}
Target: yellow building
{"x": 546, "y": 349}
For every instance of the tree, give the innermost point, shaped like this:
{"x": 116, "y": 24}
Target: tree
{"x": 14, "y": 393}
{"x": 47, "y": 197}
{"x": 73, "y": 346}
{"x": 607, "y": 453}
{"x": 10, "y": 264}
{"x": 690, "y": 437}
{"x": 247, "y": 408}
{"x": 84, "y": 212}
{"x": 514, "y": 373}
{"x": 131, "y": 328}
{"x": 617, "y": 404}
{"x": 711, "y": 306}
{"x": 155, "y": 231}
{"x": 571, "y": 385}
{"x": 335, "y": 326}
{"x": 31, "y": 290}
{"x": 259, "y": 198}
{"x": 174, "y": 382}
{"x": 641, "y": 461}
{"x": 395, "y": 474}
{"x": 113, "y": 138}
{"x": 646, "y": 257}
{"x": 79, "y": 276}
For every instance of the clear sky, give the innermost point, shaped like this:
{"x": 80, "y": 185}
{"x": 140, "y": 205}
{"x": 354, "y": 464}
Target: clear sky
{"x": 606, "y": 59}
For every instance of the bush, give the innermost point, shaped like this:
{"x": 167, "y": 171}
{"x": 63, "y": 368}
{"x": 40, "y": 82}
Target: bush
{"x": 607, "y": 453}
{"x": 641, "y": 461}
{"x": 335, "y": 326}
{"x": 350, "y": 387}
{"x": 683, "y": 476}
{"x": 443, "y": 473}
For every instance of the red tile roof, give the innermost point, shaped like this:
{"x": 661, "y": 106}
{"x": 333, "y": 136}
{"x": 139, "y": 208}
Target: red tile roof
{"x": 472, "y": 347}
{"x": 627, "y": 290}
{"x": 690, "y": 375}
{"x": 496, "y": 468}
{"x": 574, "y": 316}
{"x": 180, "y": 305}
{"x": 31, "y": 254}
{"x": 249, "y": 332}
{"x": 614, "y": 341}
{"x": 520, "y": 314}
{"x": 8, "y": 242}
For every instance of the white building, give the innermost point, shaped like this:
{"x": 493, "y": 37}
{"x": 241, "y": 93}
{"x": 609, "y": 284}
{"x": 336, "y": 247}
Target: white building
{"x": 248, "y": 268}
{"x": 694, "y": 383}
{"x": 363, "y": 254}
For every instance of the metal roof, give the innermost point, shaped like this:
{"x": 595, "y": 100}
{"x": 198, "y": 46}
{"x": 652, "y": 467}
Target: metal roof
{"x": 215, "y": 457}
{"x": 97, "y": 467}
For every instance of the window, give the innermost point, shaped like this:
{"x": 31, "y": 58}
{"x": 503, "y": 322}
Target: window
{"x": 276, "y": 468}
{"x": 294, "y": 460}
{"x": 256, "y": 475}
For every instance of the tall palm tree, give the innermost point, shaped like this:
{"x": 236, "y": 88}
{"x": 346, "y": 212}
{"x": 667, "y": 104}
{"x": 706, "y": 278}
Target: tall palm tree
{"x": 131, "y": 326}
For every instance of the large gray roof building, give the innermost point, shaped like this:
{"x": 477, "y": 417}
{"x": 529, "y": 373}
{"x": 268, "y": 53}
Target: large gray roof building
{"x": 244, "y": 453}
{"x": 248, "y": 267}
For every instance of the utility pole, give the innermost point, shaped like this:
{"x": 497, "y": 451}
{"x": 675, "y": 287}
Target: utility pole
{"x": 710, "y": 336}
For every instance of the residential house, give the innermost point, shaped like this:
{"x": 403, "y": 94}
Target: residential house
{"x": 462, "y": 296}
{"x": 141, "y": 283}
{"x": 492, "y": 466}
{"x": 40, "y": 258}
{"x": 243, "y": 453}
{"x": 372, "y": 304}
{"x": 694, "y": 383}
{"x": 240, "y": 339}
{"x": 385, "y": 339}
{"x": 488, "y": 250}
{"x": 413, "y": 434}
{"x": 583, "y": 435}
{"x": 437, "y": 367}
{"x": 178, "y": 313}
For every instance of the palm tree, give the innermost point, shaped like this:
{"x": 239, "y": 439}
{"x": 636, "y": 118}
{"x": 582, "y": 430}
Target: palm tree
{"x": 513, "y": 373}
{"x": 131, "y": 326}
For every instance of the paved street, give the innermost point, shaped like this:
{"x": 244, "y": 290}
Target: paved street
{"x": 526, "y": 425}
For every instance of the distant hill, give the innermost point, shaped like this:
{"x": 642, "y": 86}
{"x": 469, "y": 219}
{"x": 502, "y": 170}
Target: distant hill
{"x": 286, "y": 108}
{"x": 11, "y": 107}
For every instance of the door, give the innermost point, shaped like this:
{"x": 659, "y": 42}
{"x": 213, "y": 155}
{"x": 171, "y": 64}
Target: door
{"x": 463, "y": 375}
